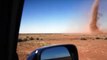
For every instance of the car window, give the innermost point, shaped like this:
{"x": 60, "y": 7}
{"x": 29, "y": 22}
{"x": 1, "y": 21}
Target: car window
{"x": 78, "y": 22}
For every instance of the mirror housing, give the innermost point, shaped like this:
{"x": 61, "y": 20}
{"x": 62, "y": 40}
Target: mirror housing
{"x": 60, "y": 51}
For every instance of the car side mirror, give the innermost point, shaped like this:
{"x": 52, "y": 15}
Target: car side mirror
{"x": 55, "y": 52}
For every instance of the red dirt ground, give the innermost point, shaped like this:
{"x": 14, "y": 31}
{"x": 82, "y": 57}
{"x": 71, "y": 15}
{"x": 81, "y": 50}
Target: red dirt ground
{"x": 87, "y": 49}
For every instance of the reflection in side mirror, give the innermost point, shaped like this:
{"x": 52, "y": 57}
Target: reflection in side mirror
{"x": 56, "y": 53}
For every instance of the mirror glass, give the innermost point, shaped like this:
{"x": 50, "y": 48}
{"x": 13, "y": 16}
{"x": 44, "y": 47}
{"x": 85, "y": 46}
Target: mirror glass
{"x": 56, "y": 53}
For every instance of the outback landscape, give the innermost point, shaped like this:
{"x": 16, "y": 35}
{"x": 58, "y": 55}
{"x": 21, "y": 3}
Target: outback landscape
{"x": 90, "y": 46}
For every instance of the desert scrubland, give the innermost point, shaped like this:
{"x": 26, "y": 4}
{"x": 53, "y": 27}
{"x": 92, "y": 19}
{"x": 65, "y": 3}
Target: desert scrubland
{"x": 90, "y": 47}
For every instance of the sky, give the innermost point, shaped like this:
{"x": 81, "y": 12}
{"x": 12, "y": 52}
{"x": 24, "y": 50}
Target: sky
{"x": 59, "y": 16}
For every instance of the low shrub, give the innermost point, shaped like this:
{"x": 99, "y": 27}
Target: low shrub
{"x": 27, "y": 36}
{"x": 37, "y": 38}
{"x": 44, "y": 44}
{"x": 41, "y": 39}
{"x": 20, "y": 40}
{"x": 25, "y": 39}
{"x": 83, "y": 39}
{"x": 31, "y": 38}
{"x": 105, "y": 38}
{"x": 98, "y": 38}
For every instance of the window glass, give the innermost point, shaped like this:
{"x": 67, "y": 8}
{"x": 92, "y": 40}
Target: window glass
{"x": 79, "y": 22}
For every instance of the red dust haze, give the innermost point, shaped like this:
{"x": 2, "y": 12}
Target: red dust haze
{"x": 93, "y": 28}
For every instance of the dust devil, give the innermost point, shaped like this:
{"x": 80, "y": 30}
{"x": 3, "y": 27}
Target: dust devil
{"x": 94, "y": 18}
